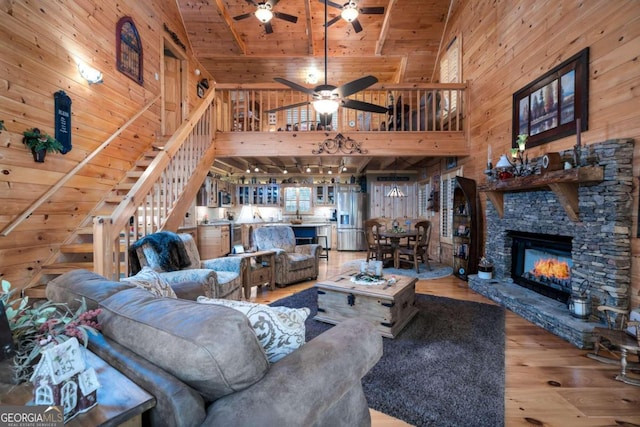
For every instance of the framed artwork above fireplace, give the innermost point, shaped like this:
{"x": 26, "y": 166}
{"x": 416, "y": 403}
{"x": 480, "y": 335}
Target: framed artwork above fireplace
{"x": 555, "y": 105}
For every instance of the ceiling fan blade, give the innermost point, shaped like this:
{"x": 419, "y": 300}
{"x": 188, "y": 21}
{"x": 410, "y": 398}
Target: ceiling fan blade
{"x": 372, "y": 10}
{"x": 334, "y": 20}
{"x": 252, "y": 3}
{"x": 363, "y": 106}
{"x": 356, "y": 86}
{"x": 295, "y": 86}
{"x": 356, "y": 25}
{"x": 286, "y": 107}
{"x": 332, "y": 4}
{"x": 268, "y": 28}
{"x": 286, "y": 17}
{"x": 244, "y": 16}
{"x": 273, "y": 3}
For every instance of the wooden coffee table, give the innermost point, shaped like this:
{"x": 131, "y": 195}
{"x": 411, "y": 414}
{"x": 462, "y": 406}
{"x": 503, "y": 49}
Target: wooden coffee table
{"x": 389, "y": 306}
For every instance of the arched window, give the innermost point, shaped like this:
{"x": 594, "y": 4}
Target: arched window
{"x": 129, "y": 49}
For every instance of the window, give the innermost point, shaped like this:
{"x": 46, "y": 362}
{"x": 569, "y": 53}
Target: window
{"x": 303, "y": 119}
{"x": 297, "y": 200}
{"x": 129, "y": 50}
{"x": 450, "y": 72}
{"x": 447, "y": 184}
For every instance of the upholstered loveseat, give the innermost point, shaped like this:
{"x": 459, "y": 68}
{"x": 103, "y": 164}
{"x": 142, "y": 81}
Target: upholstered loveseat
{"x": 294, "y": 263}
{"x": 205, "y": 366}
{"x": 219, "y": 277}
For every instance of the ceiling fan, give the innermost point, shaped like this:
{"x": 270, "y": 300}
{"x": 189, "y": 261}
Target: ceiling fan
{"x": 264, "y": 12}
{"x": 350, "y": 11}
{"x": 327, "y": 98}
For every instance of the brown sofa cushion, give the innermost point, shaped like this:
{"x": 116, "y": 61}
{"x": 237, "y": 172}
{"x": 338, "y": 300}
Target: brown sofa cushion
{"x": 71, "y": 287}
{"x": 213, "y": 349}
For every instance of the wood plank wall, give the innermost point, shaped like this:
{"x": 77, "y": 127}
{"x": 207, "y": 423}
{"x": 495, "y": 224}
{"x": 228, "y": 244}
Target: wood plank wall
{"x": 40, "y": 41}
{"x": 508, "y": 44}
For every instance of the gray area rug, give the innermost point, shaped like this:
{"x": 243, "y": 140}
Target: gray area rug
{"x": 437, "y": 270}
{"x": 446, "y": 368}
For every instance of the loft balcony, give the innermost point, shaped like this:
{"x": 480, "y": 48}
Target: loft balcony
{"x": 419, "y": 120}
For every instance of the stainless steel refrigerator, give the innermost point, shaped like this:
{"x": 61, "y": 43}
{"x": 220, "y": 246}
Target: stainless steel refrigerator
{"x": 351, "y": 216}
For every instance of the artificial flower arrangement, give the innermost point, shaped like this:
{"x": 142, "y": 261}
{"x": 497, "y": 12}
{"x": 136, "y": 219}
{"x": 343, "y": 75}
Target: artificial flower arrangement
{"x": 39, "y": 326}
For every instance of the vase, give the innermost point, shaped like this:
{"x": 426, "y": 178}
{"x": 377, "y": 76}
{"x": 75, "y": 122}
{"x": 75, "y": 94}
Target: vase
{"x": 38, "y": 156}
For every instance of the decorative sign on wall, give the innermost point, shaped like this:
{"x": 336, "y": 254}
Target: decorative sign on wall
{"x": 63, "y": 120}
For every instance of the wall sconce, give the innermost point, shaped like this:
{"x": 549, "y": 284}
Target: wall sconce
{"x": 90, "y": 74}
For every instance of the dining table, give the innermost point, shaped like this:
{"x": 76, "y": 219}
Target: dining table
{"x": 395, "y": 236}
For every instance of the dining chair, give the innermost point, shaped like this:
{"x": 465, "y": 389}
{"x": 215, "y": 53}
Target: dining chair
{"x": 418, "y": 250}
{"x": 377, "y": 248}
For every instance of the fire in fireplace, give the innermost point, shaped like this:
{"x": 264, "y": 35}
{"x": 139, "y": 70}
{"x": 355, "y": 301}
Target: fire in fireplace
{"x": 542, "y": 262}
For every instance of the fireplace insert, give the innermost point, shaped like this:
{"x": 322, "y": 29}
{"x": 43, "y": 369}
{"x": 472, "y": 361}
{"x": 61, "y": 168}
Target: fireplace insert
{"x": 542, "y": 263}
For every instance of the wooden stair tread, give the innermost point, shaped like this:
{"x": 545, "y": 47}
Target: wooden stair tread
{"x": 65, "y": 267}
{"x": 81, "y": 248}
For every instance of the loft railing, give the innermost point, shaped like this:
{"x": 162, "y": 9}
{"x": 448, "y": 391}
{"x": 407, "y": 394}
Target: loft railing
{"x": 54, "y": 189}
{"x": 410, "y": 108}
{"x": 161, "y": 195}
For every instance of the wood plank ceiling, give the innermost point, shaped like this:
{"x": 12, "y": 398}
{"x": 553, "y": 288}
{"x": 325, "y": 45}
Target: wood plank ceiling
{"x": 399, "y": 46}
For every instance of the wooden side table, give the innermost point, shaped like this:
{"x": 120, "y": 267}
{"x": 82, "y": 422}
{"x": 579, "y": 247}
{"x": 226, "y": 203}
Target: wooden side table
{"x": 259, "y": 269}
{"x": 120, "y": 400}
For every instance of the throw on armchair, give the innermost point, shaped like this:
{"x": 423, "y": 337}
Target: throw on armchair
{"x": 293, "y": 263}
{"x": 219, "y": 277}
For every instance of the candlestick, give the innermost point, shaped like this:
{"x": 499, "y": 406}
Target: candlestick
{"x": 578, "y": 130}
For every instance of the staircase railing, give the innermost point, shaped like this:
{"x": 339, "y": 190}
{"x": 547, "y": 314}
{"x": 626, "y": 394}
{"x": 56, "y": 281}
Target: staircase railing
{"x": 417, "y": 107}
{"x": 161, "y": 195}
{"x": 54, "y": 189}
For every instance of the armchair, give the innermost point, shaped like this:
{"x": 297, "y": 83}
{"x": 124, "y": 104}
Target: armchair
{"x": 219, "y": 277}
{"x": 294, "y": 263}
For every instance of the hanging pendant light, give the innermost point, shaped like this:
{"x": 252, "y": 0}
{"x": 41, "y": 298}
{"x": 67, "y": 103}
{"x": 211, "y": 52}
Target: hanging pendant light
{"x": 395, "y": 191}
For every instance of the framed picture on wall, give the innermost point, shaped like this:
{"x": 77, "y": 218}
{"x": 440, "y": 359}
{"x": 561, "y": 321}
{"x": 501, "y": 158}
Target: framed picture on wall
{"x": 554, "y": 105}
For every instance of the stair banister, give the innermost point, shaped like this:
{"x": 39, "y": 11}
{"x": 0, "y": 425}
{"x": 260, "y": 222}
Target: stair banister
{"x": 107, "y": 228}
{"x": 54, "y": 189}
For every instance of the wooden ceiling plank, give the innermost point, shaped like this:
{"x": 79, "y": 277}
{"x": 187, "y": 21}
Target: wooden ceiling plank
{"x": 229, "y": 21}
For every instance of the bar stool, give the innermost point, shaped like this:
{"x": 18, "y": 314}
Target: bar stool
{"x": 324, "y": 243}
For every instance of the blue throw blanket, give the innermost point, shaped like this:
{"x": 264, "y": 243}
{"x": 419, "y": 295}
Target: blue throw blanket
{"x": 169, "y": 247}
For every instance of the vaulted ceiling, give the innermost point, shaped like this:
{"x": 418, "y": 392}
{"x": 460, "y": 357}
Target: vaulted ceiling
{"x": 399, "y": 46}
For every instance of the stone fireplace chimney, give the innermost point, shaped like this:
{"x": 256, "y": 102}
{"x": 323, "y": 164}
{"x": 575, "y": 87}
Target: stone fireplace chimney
{"x": 600, "y": 243}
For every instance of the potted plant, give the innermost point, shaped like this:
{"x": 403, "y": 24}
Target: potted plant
{"x": 35, "y": 327}
{"x": 41, "y": 143}
{"x": 485, "y": 268}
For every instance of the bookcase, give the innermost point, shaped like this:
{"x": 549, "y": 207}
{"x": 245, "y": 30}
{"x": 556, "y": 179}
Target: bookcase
{"x": 465, "y": 228}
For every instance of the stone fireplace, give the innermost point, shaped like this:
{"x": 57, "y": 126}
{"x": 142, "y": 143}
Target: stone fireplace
{"x": 595, "y": 249}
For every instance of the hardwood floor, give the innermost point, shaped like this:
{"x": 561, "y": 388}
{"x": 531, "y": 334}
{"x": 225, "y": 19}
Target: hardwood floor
{"x": 549, "y": 382}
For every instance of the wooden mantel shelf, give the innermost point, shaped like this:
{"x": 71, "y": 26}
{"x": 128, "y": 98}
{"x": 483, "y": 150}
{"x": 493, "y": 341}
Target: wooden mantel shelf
{"x": 564, "y": 183}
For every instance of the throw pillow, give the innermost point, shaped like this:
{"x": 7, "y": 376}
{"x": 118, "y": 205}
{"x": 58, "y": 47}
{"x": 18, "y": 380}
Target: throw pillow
{"x": 150, "y": 280}
{"x": 280, "y": 330}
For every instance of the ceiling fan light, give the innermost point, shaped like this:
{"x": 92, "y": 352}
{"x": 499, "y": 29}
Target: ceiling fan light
{"x": 349, "y": 12}
{"x": 263, "y": 13}
{"x": 308, "y": 169}
{"x": 325, "y": 106}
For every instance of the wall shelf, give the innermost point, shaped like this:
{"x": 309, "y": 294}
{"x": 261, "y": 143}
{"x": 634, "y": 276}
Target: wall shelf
{"x": 564, "y": 183}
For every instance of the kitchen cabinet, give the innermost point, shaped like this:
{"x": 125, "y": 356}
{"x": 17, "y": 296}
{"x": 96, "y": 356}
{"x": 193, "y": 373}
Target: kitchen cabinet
{"x": 465, "y": 228}
{"x": 258, "y": 194}
{"x": 333, "y": 239}
{"x": 324, "y": 195}
{"x": 213, "y": 241}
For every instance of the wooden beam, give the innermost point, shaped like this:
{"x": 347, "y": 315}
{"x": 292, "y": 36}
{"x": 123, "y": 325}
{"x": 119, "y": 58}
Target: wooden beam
{"x": 229, "y": 21}
{"x": 396, "y": 144}
{"x": 384, "y": 31}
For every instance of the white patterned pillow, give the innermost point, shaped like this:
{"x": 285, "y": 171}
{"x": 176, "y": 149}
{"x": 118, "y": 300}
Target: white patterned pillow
{"x": 280, "y": 330}
{"x": 150, "y": 280}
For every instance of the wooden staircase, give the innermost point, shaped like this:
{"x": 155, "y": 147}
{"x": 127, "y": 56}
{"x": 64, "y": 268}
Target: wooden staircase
{"x": 77, "y": 251}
